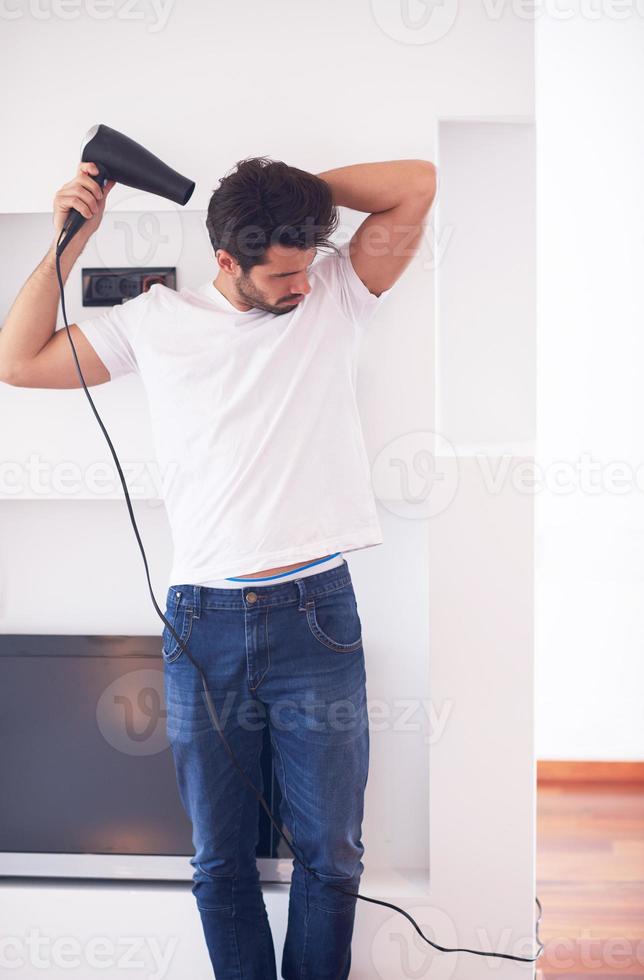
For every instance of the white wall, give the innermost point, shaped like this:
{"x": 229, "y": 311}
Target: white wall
{"x": 590, "y": 506}
{"x": 481, "y": 525}
{"x": 319, "y": 86}
{"x": 203, "y": 84}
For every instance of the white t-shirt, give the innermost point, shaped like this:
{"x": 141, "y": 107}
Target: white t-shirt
{"x": 254, "y": 419}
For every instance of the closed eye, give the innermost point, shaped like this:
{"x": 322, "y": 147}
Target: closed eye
{"x": 285, "y": 275}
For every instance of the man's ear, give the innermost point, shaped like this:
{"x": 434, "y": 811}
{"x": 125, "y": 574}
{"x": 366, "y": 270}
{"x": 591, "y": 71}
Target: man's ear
{"x": 227, "y": 262}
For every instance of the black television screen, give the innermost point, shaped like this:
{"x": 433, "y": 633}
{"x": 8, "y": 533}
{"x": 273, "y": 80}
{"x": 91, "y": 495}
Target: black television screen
{"x": 85, "y": 766}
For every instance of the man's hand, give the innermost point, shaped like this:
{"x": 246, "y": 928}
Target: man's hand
{"x": 84, "y": 195}
{"x": 399, "y": 195}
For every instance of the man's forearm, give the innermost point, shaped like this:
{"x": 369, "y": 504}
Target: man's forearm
{"x": 373, "y": 187}
{"x": 31, "y": 321}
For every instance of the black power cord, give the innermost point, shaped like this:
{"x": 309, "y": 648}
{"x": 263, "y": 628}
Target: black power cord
{"x": 210, "y": 705}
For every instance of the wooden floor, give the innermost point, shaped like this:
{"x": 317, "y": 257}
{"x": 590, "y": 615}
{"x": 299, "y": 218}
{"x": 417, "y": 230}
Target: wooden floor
{"x": 590, "y": 879}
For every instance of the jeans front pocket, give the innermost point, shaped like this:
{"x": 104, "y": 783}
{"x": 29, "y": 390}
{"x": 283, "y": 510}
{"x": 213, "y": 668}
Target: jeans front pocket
{"x": 334, "y": 621}
{"x": 179, "y": 614}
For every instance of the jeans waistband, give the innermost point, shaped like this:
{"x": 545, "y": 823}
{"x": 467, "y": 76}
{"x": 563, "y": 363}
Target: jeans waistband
{"x": 299, "y": 590}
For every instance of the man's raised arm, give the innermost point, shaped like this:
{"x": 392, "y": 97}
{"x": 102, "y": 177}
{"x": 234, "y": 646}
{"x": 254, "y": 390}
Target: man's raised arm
{"x": 399, "y": 195}
{"x": 33, "y": 354}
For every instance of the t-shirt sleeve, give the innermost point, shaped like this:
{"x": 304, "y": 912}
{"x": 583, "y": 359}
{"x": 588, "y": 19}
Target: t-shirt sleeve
{"x": 113, "y": 334}
{"x": 339, "y": 276}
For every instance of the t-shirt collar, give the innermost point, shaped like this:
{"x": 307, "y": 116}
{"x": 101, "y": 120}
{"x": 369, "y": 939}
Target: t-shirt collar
{"x": 218, "y": 297}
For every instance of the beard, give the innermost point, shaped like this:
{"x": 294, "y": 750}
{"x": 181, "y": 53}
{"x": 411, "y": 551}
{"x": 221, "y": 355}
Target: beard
{"x": 248, "y": 293}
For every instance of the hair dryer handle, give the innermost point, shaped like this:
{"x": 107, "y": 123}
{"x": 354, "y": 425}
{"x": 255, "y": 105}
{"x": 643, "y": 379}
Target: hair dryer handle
{"x": 75, "y": 219}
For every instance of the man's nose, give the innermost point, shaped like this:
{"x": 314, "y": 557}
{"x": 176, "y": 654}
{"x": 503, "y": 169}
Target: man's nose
{"x": 304, "y": 287}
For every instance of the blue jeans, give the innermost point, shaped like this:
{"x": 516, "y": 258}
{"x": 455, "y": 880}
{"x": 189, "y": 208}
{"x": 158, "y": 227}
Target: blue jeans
{"x": 288, "y": 656}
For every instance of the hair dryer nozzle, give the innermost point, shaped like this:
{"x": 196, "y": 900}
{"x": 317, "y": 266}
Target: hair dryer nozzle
{"x": 119, "y": 158}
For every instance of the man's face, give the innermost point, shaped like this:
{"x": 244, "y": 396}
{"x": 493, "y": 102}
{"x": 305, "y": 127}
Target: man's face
{"x": 278, "y": 284}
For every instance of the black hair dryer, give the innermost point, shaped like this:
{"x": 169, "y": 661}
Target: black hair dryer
{"x": 119, "y": 158}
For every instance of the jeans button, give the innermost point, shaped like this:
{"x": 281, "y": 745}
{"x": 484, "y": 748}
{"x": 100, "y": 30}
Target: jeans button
{"x": 251, "y": 597}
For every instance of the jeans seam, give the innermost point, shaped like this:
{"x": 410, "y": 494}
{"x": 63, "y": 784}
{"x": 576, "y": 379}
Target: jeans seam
{"x": 326, "y": 640}
{"x": 307, "y": 914}
{"x": 214, "y": 877}
{"x": 183, "y": 639}
{"x": 288, "y": 802}
{"x": 268, "y": 650}
{"x": 294, "y": 835}
{"x": 234, "y": 874}
{"x": 342, "y": 911}
{"x": 327, "y": 590}
{"x": 239, "y": 964}
{"x": 330, "y": 879}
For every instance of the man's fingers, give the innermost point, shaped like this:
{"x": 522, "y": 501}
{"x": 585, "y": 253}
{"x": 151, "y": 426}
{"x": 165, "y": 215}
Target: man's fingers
{"x": 90, "y": 168}
{"x": 91, "y": 185}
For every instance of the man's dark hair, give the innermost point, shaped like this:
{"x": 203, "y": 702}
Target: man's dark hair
{"x": 265, "y": 202}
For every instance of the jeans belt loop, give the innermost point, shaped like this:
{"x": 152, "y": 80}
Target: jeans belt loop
{"x": 300, "y": 582}
{"x": 196, "y": 601}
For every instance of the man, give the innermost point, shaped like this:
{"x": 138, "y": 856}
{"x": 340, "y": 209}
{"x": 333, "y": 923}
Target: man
{"x": 250, "y": 380}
